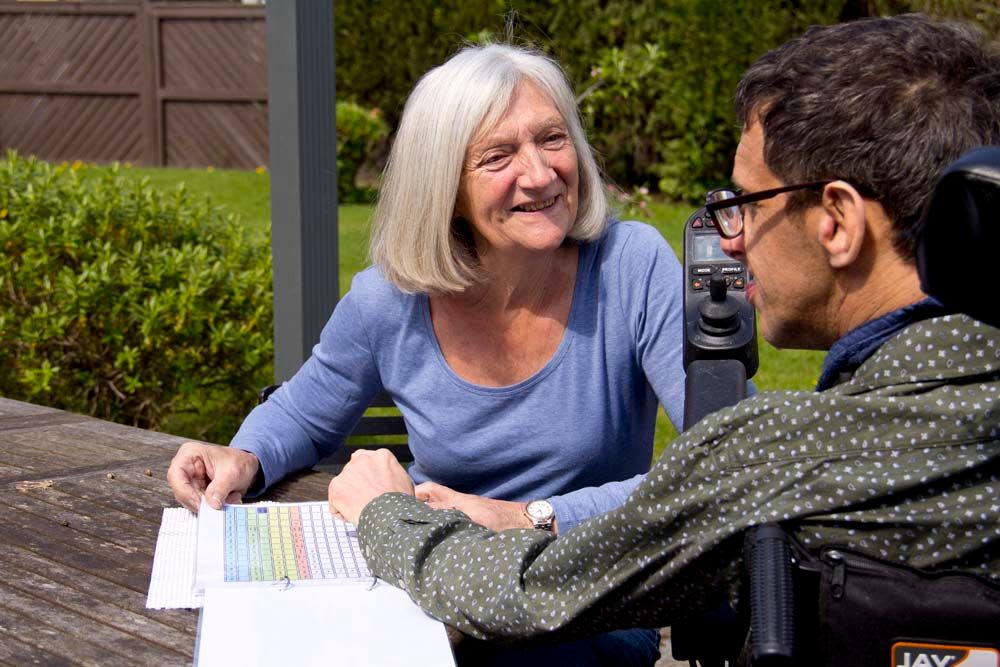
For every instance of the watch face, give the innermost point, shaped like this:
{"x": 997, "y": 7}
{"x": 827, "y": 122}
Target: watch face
{"x": 540, "y": 509}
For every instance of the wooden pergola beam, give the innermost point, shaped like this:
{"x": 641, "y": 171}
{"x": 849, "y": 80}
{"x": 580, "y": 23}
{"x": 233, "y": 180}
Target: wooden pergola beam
{"x": 301, "y": 89}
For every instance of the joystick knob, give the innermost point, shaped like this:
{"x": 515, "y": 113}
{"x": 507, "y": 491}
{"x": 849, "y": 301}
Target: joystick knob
{"x": 719, "y": 313}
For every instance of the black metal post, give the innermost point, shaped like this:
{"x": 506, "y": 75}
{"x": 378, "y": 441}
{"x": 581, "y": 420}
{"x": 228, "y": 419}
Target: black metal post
{"x": 301, "y": 92}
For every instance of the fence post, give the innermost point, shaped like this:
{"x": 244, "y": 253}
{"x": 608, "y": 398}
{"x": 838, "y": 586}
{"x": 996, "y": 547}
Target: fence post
{"x": 303, "y": 148}
{"x": 148, "y": 35}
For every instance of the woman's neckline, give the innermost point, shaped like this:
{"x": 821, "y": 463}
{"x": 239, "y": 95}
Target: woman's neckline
{"x": 550, "y": 364}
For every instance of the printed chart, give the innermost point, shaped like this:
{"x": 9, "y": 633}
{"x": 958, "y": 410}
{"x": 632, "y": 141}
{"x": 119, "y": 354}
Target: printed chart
{"x": 301, "y": 541}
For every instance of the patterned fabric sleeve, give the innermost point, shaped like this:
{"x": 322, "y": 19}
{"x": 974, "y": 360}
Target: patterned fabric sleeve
{"x": 636, "y": 566}
{"x": 520, "y": 584}
{"x": 902, "y": 463}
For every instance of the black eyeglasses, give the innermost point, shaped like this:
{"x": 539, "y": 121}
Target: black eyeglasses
{"x": 724, "y": 206}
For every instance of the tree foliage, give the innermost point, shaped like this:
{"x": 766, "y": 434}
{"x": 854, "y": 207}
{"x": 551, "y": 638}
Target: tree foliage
{"x": 359, "y": 132}
{"x": 655, "y": 78}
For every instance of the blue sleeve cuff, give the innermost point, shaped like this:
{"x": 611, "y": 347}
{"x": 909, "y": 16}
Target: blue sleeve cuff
{"x": 279, "y": 445}
{"x": 575, "y": 507}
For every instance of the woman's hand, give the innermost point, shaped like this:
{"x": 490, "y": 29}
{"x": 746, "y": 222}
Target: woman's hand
{"x": 494, "y": 514}
{"x": 222, "y": 474}
{"x": 365, "y": 477}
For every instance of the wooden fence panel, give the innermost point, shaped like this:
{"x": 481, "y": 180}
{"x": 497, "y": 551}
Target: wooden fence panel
{"x": 70, "y": 49}
{"x": 65, "y": 128}
{"x": 215, "y": 133}
{"x": 152, "y": 83}
{"x": 70, "y": 85}
{"x": 214, "y": 54}
{"x": 214, "y": 90}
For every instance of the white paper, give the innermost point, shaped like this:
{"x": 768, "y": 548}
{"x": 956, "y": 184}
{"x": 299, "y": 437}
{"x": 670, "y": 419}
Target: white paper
{"x": 172, "y": 583}
{"x": 209, "y": 562}
{"x": 313, "y": 625}
{"x": 265, "y": 542}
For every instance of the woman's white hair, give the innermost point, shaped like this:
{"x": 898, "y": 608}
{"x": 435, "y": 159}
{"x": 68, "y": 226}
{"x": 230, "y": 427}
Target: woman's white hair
{"x": 414, "y": 239}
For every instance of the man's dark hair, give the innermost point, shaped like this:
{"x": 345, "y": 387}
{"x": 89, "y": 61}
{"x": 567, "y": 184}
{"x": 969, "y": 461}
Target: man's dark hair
{"x": 883, "y": 103}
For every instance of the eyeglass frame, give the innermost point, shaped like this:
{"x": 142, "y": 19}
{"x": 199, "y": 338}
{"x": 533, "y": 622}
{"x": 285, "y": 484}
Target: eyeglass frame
{"x": 740, "y": 200}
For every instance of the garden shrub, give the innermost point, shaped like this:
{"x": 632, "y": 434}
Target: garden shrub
{"x": 660, "y": 102}
{"x": 358, "y": 133}
{"x": 126, "y": 303}
{"x": 656, "y": 77}
{"x": 384, "y": 46}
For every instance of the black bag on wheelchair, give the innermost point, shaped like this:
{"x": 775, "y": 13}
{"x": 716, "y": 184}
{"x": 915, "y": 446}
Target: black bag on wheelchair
{"x": 849, "y": 609}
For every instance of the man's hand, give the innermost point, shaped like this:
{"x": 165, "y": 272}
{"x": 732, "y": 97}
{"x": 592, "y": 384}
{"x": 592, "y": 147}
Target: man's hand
{"x": 222, "y": 474}
{"x": 366, "y": 476}
{"x": 494, "y": 514}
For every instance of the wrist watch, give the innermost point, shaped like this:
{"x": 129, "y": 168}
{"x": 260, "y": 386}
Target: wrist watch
{"x": 541, "y": 513}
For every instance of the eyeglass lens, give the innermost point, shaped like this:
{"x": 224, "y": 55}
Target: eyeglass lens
{"x": 728, "y": 218}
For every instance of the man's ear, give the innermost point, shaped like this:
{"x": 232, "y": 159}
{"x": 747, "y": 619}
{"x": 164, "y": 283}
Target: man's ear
{"x": 844, "y": 224}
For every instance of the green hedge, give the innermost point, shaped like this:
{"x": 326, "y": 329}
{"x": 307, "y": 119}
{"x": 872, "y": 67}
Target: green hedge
{"x": 660, "y": 102}
{"x": 359, "y": 132}
{"x": 655, "y": 77}
{"x": 125, "y": 303}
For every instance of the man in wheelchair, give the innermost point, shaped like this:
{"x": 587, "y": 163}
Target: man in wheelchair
{"x": 893, "y": 462}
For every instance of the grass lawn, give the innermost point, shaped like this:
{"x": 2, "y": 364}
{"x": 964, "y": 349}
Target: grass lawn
{"x": 246, "y": 194}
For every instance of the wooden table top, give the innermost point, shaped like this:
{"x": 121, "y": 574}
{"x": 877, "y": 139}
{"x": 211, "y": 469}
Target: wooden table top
{"x": 80, "y": 507}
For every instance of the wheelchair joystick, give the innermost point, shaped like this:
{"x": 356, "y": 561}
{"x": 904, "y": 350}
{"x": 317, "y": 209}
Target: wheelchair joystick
{"x": 720, "y": 334}
{"x": 720, "y": 314}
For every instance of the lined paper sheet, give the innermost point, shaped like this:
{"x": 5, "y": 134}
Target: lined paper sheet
{"x": 285, "y": 583}
{"x": 270, "y": 542}
{"x": 174, "y": 561}
{"x": 253, "y": 543}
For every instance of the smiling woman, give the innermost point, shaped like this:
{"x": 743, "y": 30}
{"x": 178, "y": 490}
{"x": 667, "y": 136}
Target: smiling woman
{"x": 520, "y": 188}
{"x": 451, "y": 135}
{"x": 526, "y": 336}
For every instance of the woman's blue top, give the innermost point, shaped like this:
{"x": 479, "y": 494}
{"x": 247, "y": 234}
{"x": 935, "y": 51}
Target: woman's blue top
{"x": 578, "y": 432}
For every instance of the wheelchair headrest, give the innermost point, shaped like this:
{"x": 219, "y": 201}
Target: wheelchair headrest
{"x": 960, "y": 236}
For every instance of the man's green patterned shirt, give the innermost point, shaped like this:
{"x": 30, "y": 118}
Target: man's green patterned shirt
{"x": 901, "y": 462}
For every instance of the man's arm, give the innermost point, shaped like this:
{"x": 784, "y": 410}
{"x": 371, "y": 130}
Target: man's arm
{"x": 667, "y": 553}
{"x": 571, "y": 509}
{"x": 519, "y": 584}
{"x": 871, "y": 465}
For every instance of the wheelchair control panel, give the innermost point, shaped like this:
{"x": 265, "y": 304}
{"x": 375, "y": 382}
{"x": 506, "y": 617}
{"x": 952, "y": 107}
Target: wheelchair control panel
{"x": 704, "y": 257}
{"x": 718, "y": 319}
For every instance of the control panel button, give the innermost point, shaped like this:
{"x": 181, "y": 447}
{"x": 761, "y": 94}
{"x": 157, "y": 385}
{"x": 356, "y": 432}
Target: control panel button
{"x": 739, "y": 283}
{"x": 697, "y": 223}
{"x": 732, "y": 269}
{"x": 701, "y": 270}
{"x": 697, "y": 284}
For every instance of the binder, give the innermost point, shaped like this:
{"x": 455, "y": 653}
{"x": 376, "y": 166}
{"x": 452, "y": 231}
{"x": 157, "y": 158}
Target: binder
{"x": 285, "y": 583}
